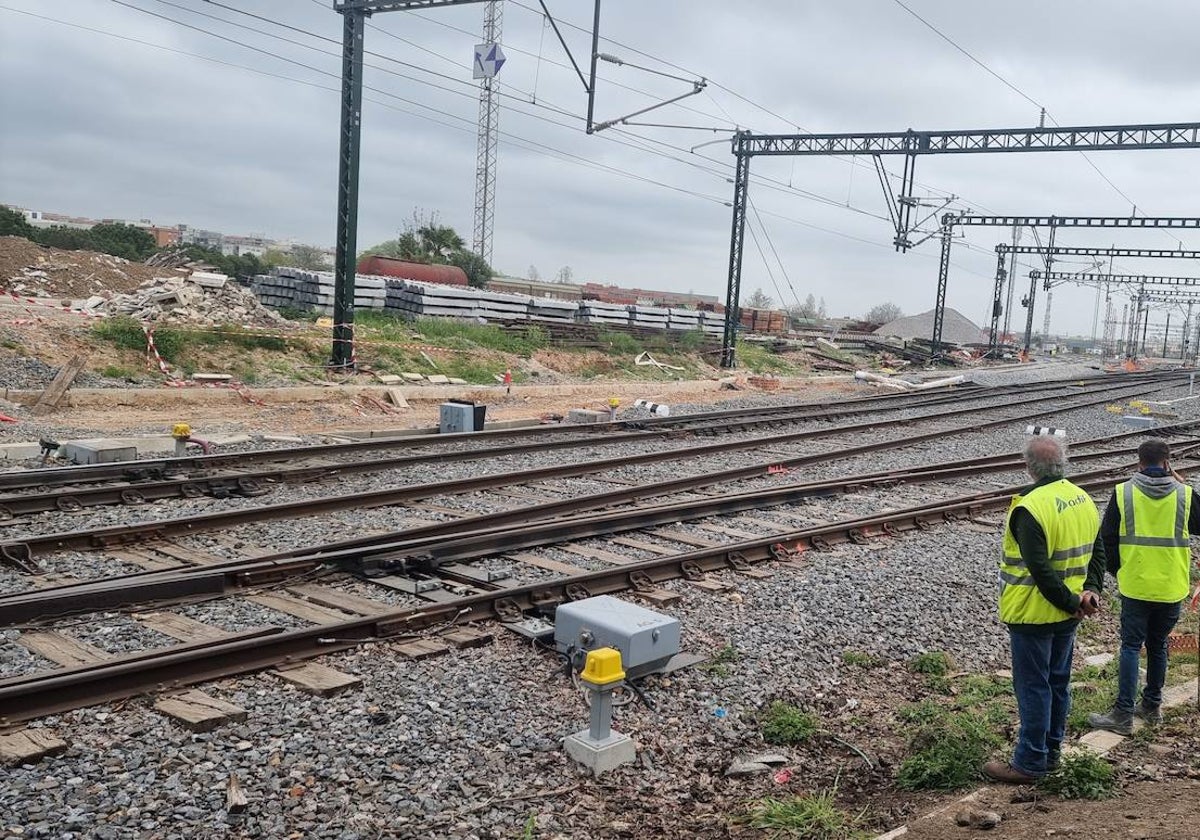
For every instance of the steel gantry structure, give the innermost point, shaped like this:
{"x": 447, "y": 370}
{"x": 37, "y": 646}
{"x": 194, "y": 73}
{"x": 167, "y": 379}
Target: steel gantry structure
{"x": 354, "y": 20}
{"x": 951, "y": 220}
{"x": 909, "y": 145}
{"x": 1049, "y": 252}
{"x": 1183, "y": 290}
{"x": 489, "y": 137}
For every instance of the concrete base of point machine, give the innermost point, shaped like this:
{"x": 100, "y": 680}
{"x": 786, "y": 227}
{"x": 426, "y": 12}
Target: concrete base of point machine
{"x": 603, "y": 755}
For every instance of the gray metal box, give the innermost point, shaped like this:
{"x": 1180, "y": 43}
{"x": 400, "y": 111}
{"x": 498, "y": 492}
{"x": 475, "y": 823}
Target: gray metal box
{"x": 457, "y": 417}
{"x": 98, "y": 453}
{"x": 645, "y": 638}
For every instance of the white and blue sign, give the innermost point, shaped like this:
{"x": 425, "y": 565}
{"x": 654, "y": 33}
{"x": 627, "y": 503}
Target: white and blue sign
{"x": 489, "y": 58}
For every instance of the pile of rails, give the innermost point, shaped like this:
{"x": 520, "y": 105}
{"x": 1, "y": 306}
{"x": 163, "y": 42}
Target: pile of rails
{"x": 314, "y": 291}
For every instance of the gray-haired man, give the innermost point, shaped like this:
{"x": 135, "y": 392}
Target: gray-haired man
{"x": 1051, "y": 575}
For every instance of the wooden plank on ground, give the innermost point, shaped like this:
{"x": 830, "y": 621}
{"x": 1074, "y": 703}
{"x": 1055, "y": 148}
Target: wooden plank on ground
{"x": 298, "y": 607}
{"x": 544, "y": 563}
{"x": 642, "y": 545}
{"x": 142, "y": 559}
{"x": 25, "y": 746}
{"x": 186, "y": 555}
{"x": 467, "y": 637}
{"x": 318, "y": 679}
{"x": 729, "y": 532}
{"x": 198, "y": 711}
{"x": 662, "y": 597}
{"x": 53, "y": 394}
{"x": 767, "y": 525}
{"x": 327, "y": 596}
{"x": 61, "y": 648}
{"x": 711, "y": 585}
{"x": 180, "y": 627}
{"x": 422, "y": 648}
{"x": 598, "y": 554}
{"x": 685, "y": 538}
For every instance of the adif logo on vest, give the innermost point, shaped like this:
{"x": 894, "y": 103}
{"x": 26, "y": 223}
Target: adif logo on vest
{"x": 1063, "y": 505}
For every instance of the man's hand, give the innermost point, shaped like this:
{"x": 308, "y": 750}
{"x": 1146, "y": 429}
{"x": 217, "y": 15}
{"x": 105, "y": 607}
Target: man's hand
{"x": 1089, "y": 604}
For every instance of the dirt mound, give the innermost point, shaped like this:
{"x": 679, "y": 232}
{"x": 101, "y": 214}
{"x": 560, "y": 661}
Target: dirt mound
{"x": 27, "y": 268}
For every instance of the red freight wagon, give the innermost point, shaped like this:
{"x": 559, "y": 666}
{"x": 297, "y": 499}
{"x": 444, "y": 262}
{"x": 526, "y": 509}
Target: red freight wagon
{"x": 446, "y": 275}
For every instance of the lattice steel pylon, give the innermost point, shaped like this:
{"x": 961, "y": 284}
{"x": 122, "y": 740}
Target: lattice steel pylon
{"x": 489, "y": 133}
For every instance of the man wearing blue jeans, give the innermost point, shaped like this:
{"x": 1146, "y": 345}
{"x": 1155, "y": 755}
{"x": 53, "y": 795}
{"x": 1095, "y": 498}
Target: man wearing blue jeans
{"x": 1051, "y": 574}
{"x": 1147, "y": 532}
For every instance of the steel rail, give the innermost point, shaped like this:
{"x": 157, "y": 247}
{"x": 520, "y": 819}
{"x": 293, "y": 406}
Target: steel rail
{"x": 21, "y": 553}
{"x": 468, "y": 539}
{"x": 148, "y": 468}
{"x": 192, "y": 477}
{"x": 52, "y": 692}
{"x": 258, "y": 482}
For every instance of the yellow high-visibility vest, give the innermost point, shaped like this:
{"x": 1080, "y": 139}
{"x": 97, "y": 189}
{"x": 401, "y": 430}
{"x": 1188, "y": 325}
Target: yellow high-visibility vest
{"x": 1069, "y": 519}
{"x": 1154, "y": 540}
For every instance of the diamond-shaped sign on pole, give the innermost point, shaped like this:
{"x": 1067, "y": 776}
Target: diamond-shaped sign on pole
{"x": 489, "y": 58}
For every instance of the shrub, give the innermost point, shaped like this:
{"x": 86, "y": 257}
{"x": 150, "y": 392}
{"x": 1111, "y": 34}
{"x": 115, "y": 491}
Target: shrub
{"x": 1083, "y": 775}
{"x": 813, "y": 817}
{"x": 935, "y": 663}
{"x": 947, "y": 752}
{"x": 785, "y": 724}
{"x": 122, "y": 331}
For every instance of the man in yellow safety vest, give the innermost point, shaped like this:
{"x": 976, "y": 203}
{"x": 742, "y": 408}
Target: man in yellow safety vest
{"x": 1051, "y": 574}
{"x": 1146, "y": 532}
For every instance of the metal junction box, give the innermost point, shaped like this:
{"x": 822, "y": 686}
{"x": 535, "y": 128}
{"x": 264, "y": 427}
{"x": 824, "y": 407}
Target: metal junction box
{"x": 461, "y": 416}
{"x": 645, "y": 638}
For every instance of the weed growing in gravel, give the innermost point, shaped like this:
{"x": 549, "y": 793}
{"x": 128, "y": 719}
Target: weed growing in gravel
{"x": 720, "y": 663}
{"x": 927, "y": 711}
{"x": 530, "y": 825}
{"x": 947, "y": 752}
{"x": 1092, "y": 690}
{"x": 859, "y": 659}
{"x": 1082, "y": 776}
{"x": 935, "y": 663}
{"x": 785, "y": 724}
{"x": 813, "y": 817}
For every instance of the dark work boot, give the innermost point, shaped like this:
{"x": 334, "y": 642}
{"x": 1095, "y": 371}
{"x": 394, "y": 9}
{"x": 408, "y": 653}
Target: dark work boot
{"x": 1151, "y": 714}
{"x": 1118, "y": 720}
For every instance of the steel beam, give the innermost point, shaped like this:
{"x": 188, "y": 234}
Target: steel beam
{"x": 1187, "y": 222}
{"x": 1073, "y": 251}
{"x": 1084, "y": 277}
{"x": 972, "y": 141}
{"x": 737, "y": 241}
{"x": 939, "y": 307}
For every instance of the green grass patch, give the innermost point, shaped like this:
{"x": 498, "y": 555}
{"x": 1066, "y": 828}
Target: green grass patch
{"x": 934, "y": 663}
{"x": 119, "y": 372}
{"x": 720, "y": 664}
{"x": 121, "y": 331}
{"x": 812, "y": 817}
{"x": 783, "y": 723}
{"x": 947, "y": 752}
{"x": 859, "y": 659}
{"x": 452, "y": 333}
{"x": 1083, "y": 775}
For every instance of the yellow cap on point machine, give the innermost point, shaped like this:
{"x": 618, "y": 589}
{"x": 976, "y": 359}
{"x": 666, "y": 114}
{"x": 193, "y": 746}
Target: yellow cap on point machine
{"x": 603, "y": 667}
{"x": 180, "y": 431}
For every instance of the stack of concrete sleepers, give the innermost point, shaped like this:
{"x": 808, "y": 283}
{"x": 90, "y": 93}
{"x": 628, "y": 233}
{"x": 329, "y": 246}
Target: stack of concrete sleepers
{"x": 683, "y": 319}
{"x": 426, "y": 300}
{"x": 554, "y": 311}
{"x": 712, "y": 323}
{"x": 314, "y": 290}
{"x": 649, "y": 317}
{"x": 274, "y": 290}
{"x": 596, "y": 312}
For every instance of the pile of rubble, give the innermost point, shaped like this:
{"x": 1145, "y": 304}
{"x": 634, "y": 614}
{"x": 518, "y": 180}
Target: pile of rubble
{"x": 200, "y": 298}
{"x": 28, "y": 269}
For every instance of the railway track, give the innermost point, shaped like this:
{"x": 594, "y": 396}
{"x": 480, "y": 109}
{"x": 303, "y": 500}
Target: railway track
{"x": 30, "y": 491}
{"x": 442, "y": 569}
{"x": 22, "y": 552}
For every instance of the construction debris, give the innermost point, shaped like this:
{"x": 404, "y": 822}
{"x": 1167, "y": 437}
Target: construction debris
{"x": 28, "y": 269}
{"x": 201, "y": 298}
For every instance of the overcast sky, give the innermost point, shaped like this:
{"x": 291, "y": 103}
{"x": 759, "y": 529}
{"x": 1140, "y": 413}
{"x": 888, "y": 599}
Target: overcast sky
{"x": 247, "y": 142}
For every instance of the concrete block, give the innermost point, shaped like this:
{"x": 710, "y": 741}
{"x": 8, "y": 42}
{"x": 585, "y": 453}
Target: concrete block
{"x": 282, "y": 439}
{"x": 19, "y": 451}
{"x": 208, "y": 279}
{"x": 212, "y": 377}
{"x": 600, "y": 756}
{"x": 413, "y": 377}
{"x": 586, "y": 415}
{"x": 98, "y": 453}
{"x": 438, "y": 379}
{"x": 389, "y": 378}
